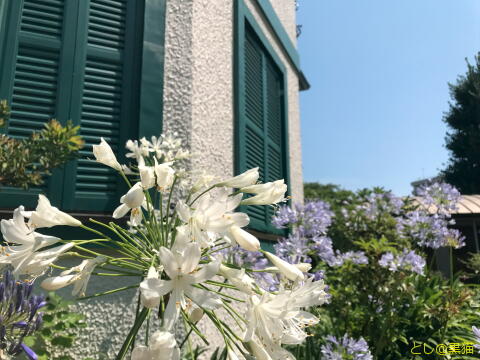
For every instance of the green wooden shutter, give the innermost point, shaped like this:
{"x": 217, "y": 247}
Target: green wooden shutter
{"x": 275, "y": 147}
{"x": 106, "y": 91}
{"x": 254, "y": 143}
{"x": 262, "y": 139}
{"x": 36, "y": 76}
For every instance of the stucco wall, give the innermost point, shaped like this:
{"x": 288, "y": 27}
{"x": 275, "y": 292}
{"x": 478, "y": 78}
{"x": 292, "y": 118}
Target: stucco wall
{"x": 198, "y": 94}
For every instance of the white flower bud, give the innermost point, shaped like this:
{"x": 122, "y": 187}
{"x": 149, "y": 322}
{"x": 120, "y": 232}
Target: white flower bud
{"x": 249, "y": 177}
{"x": 46, "y": 215}
{"x": 290, "y": 271}
{"x": 196, "y": 315}
{"x": 147, "y": 176}
{"x": 268, "y": 193}
{"x": 244, "y": 239}
{"x": 165, "y": 175}
{"x": 304, "y": 267}
{"x": 104, "y": 154}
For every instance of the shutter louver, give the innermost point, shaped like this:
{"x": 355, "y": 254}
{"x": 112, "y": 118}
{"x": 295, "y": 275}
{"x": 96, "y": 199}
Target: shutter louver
{"x": 100, "y": 118}
{"x": 263, "y": 142}
{"x": 36, "y": 75}
{"x": 105, "y": 91}
{"x": 254, "y": 114}
{"x": 34, "y": 91}
{"x": 74, "y": 60}
{"x": 35, "y": 79}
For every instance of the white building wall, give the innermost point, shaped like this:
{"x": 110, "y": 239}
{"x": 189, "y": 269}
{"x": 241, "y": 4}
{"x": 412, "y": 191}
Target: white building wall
{"x": 198, "y": 98}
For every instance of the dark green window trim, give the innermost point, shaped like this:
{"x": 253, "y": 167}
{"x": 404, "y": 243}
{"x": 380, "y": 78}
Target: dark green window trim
{"x": 151, "y": 90}
{"x": 284, "y": 39}
{"x": 245, "y": 20}
{"x": 3, "y": 16}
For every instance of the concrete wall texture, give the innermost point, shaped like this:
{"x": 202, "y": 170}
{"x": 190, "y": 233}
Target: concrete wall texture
{"x": 198, "y": 105}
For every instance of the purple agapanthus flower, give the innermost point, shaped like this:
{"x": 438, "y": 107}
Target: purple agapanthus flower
{"x": 309, "y": 220}
{"x": 19, "y": 315}
{"x": 408, "y": 260}
{"x": 377, "y": 204}
{"x": 345, "y": 349}
{"x": 429, "y": 230}
{"x": 444, "y": 197}
{"x": 476, "y": 333}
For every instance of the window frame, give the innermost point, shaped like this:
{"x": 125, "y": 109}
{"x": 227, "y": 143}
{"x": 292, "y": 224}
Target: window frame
{"x": 149, "y": 39}
{"x": 244, "y": 18}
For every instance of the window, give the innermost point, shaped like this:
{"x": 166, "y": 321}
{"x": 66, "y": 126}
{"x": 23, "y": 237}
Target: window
{"x": 261, "y": 115}
{"x": 73, "y": 60}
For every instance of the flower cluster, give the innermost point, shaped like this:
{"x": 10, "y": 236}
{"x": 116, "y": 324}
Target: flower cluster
{"x": 345, "y": 349}
{"x": 180, "y": 252}
{"x": 441, "y": 196}
{"x": 310, "y": 223}
{"x": 429, "y": 230}
{"x": 19, "y": 316}
{"x": 311, "y": 219}
{"x": 408, "y": 260}
{"x": 429, "y": 224}
{"x": 377, "y": 204}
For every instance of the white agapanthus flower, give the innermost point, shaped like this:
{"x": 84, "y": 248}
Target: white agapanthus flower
{"x": 276, "y": 319}
{"x": 290, "y": 271}
{"x": 46, "y": 215}
{"x": 215, "y": 215}
{"x": 27, "y": 251}
{"x": 182, "y": 269}
{"x": 160, "y": 175}
{"x": 137, "y": 151}
{"x": 77, "y": 275}
{"x": 104, "y": 154}
{"x": 163, "y": 346}
{"x": 247, "y": 178}
{"x": 132, "y": 201}
{"x": 238, "y": 278}
{"x": 175, "y": 255}
{"x": 265, "y": 194}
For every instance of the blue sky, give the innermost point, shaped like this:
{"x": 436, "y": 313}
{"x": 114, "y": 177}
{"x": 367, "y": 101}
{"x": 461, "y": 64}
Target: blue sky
{"x": 379, "y": 71}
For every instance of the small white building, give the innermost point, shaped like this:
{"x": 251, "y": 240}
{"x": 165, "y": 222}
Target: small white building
{"x": 224, "y": 74}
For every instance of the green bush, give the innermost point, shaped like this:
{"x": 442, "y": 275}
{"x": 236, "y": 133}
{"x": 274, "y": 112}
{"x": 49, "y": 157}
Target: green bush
{"x": 25, "y": 162}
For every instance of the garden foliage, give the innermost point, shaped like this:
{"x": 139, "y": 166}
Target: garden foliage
{"x": 25, "y": 162}
{"x": 59, "y": 329}
{"x": 375, "y": 251}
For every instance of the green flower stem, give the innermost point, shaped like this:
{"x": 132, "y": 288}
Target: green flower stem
{"x": 219, "y": 293}
{"x": 93, "y": 230}
{"x": 125, "y": 178}
{"x": 108, "y": 292}
{"x": 221, "y": 284}
{"x": 233, "y": 315}
{"x": 110, "y": 274}
{"x": 133, "y": 333}
{"x": 160, "y": 206}
{"x": 123, "y": 262}
{"x": 240, "y": 317}
{"x": 151, "y": 215}
{"x": 194, "y": 328}
{"x": 201, "y": 194}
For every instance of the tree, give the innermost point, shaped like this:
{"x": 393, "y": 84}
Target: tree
{"x": 25, "y": 162}
{"x": 331, "y": 193}
{"x": 463, "y": 136}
